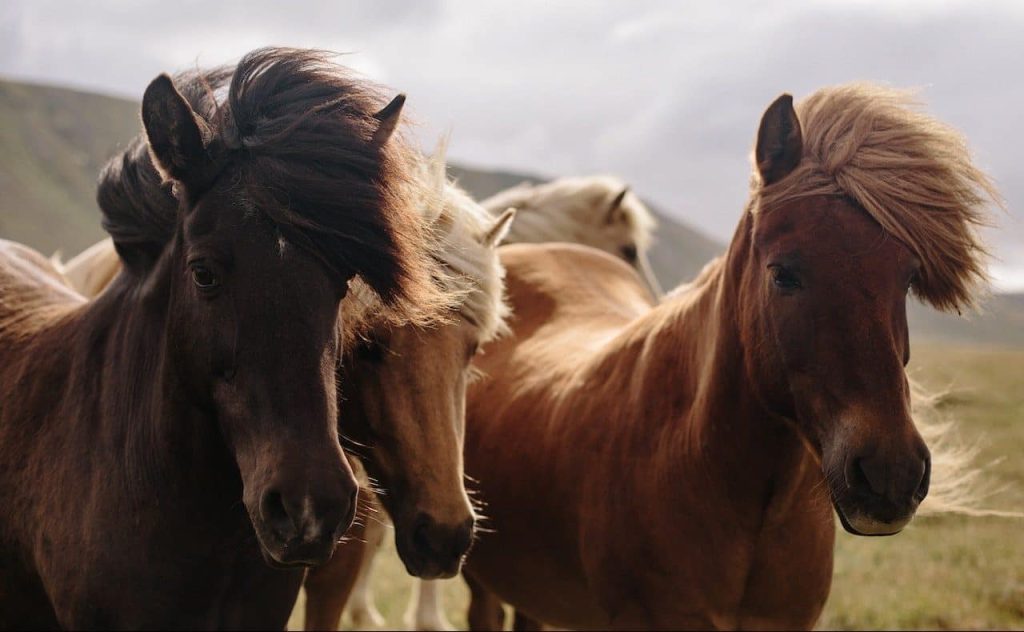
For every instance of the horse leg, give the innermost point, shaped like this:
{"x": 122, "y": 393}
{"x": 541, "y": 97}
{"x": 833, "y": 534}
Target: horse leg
{"x": 485, "y": 609}
{"x": 329, "y": 586}
{"x": 424, "y": 611}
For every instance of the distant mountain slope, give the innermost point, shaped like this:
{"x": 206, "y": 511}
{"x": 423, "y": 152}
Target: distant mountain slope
{"x": 53, "y": 142}
{"x": 1000, "y": 323}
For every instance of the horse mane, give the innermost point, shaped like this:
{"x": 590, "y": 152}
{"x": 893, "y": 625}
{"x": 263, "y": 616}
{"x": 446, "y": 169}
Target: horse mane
{"x": 137, "y": 206}
{"x": 474, "y": 271}
{"x": 564, "y": 210}
{"x": 912, "y": 173}
{"x": 464, "y": 268}
{"x": 299, "y": 129}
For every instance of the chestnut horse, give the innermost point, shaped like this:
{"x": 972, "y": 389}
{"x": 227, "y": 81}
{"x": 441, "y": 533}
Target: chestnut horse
{"x": 677, "y": 466}
{"x": 158, "y": 441}
{"x": 596, "y": 211}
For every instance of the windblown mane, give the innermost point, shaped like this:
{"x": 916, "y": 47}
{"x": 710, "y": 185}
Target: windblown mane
{"x": 569, "y": 209}
{"x": 464, "y": 268}
{"x": 472, "y": 266}
{"x": 299, "y": 130}
{"x": 912, "y": 173}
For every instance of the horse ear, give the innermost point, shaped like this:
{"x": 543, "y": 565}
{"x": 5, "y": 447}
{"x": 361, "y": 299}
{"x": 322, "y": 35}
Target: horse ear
{"x": 439, "y": 165}
{"x": 388, "y": 118}
{"x": 614, "y": 210}
{"x": 780, "y": 141}
{"x": 176, "y": 136}
{"x": 497, "y": 232}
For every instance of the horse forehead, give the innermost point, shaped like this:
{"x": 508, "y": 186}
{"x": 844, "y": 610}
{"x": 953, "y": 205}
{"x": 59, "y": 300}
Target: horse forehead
{"x": 829, "y": 227}
{"x": 218, "y": 212}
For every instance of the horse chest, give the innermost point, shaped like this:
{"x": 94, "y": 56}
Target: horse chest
{"x": 693, "y": 568}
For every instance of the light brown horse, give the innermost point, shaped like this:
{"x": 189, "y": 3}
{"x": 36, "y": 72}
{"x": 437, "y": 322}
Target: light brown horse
{"x": 597, "y": 211}
{"x": 162, "y": 441}
{"x": 677, "y": 466}
{"x": 413, "y": 434}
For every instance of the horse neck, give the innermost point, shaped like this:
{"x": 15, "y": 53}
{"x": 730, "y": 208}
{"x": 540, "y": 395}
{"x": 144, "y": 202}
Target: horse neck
{"x": 122, "y": 361}
{"x": 689, "y": 400}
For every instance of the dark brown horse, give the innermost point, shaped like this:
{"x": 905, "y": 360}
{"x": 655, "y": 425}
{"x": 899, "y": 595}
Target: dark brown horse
{"x": 156, "y": 441}
{"x": 677, "y": 466}
{"x": 409, "y": 438}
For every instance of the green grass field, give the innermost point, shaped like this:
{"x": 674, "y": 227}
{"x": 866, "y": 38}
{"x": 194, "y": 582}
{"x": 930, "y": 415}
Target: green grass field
{"x": 942, "y": 572}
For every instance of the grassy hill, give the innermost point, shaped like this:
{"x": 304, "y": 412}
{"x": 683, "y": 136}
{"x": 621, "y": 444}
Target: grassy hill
{"x": 53, "y": 142}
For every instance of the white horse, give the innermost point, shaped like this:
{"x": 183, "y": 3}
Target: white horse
{"x": 596, "y": 211}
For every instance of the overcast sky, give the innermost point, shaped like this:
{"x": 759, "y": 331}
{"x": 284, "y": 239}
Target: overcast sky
{"x": 665, "y": 94}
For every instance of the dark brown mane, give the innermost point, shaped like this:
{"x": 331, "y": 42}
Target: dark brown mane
{"x": 341, "y": 200}
{"x": 138, "y": 208}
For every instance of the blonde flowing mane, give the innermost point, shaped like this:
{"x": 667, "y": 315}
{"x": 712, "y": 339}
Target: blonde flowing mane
{"x": 465, "y": 268}
{"x": 563, "y": 210}
{"x": 912, "y": 173}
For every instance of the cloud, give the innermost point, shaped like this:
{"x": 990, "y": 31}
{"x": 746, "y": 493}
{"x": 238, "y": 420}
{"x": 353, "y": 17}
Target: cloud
{"x": 667, "y": 95}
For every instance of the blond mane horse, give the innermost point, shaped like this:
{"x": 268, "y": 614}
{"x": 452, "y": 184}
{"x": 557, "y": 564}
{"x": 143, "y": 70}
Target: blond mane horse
{"x": 596, "y": 211}
{"x": 424, "y": 419}
{"x": 677, "y": 465}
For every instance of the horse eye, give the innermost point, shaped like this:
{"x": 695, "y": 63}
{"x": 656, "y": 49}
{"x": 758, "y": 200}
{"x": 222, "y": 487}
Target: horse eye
{"x": 204, "y": 277}
{"x": 472, "y": 351}
{"x": 629, "y": 253}
{"x": 784, "y": 279}
{"x": 913, "y": 281}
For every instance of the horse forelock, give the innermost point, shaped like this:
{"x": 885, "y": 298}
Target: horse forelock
{"x": 463, "y": 268}
{"x": 298, "y": 130}
{"x": 912, "y": 173}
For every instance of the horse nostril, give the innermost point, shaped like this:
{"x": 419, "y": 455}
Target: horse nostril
{"x": 421, "y": 534}
{"x": 869, "y": 473}
{"x": 275, "y": 514}
{"x": 922, "y": 486}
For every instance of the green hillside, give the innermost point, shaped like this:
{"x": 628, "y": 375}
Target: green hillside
{"x": 53, "y": 142}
